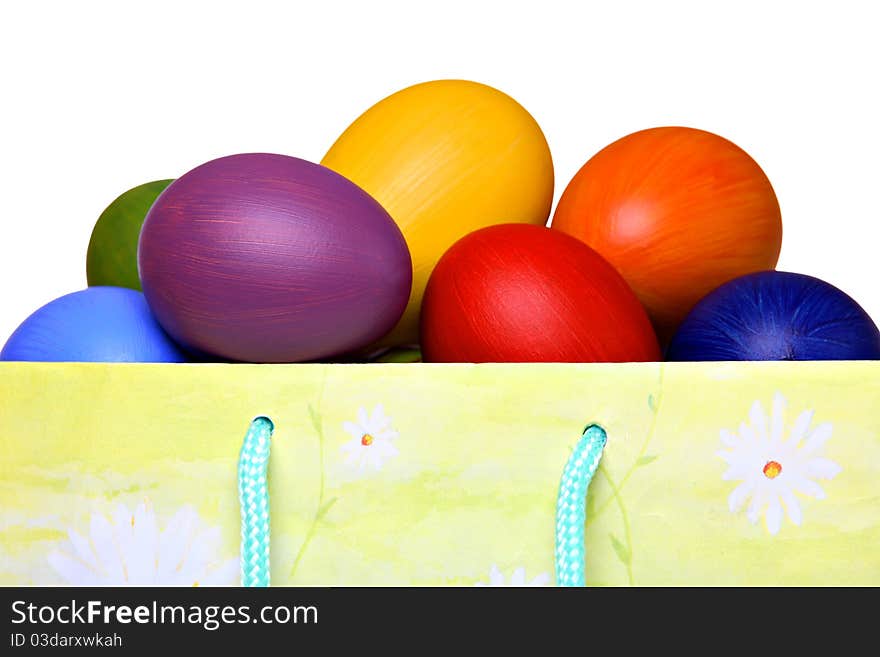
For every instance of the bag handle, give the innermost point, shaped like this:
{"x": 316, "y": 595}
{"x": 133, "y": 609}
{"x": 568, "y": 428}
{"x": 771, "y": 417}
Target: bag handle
{"x": 571, "y": 506}
{"x": 253, "y": 497}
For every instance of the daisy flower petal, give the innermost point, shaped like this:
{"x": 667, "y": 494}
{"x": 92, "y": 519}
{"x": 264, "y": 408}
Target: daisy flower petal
{"x": 370, "y": 445}
{"x": 774, "y": 516}
{"x": 363, "y": 418}
{"x": 377, "y": 417}
{"x": 818, "y": 437}
{"x": 772, "y": 467}
{"x": 819, "y": 468}
{"x": 807, "y": 487}
{"x": 72, "y": 570}
{"x": 753, "y": 513}
{"x": 792, "y": 506}
{"x": 519, "y": 577}
{"x": 128, "y": 548}
{"x": 82, "y": 550}
{"x": 748, "y": 434}
{"x": 740, "y": 494}
{"x": 728, "y": 438}
{"x": 800, "y": 428}
{"x": 353, "y": 430}
{"x": 541, "y": 580}
{"x": 101, "y": 538}
{"x": 759, "y": 420}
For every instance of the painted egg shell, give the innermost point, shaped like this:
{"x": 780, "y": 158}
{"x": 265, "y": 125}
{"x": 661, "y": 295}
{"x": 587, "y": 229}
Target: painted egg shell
{"x": 446, "y": 158}
{"x": 269, "y": 258}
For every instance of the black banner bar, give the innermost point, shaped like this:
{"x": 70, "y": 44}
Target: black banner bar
{"x": 283, "y": 620}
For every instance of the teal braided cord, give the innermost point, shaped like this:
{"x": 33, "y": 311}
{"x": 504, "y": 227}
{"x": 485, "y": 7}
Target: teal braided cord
{"x": 253, "y": 495}
{"x": 571, "y": 506}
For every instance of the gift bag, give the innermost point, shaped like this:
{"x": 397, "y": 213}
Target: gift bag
{"x": 430, "y": 474}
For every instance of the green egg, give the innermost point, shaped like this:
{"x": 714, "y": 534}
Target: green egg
{"x": 112, "y": 255}
{"x": 399, "y": 355}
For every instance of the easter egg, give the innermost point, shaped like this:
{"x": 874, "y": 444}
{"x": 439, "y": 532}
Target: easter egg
{"x": 518, "y": 293}
{"x": 678, "y": 212}
{"x": 99, "y": 324}
{"x": 112, "y": 254}
{"x": 776, "y": 315}
{"x": 398, "y": 355}
{"x": 268, "y": 258}
{"x": 445, "y": 158}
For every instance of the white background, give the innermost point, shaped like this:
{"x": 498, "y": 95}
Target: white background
{"x": 97, "y": 97}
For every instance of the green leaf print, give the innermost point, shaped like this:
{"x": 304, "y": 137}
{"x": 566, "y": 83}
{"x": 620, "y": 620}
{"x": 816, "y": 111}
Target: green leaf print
{"x": 623, "y": 552}
{"x": 324, "y": 509}
{"x": 591, "y": 505}
{"x": 624, "y": 549}
{"x": 316, "y": 420}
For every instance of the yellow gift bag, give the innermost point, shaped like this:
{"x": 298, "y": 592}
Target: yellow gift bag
{"x": 419, "y": 474}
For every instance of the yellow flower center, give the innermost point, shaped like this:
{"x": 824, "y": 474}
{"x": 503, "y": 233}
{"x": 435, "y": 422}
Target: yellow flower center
{"x": 772, "y": 469}
{"x": 366, "y": 440}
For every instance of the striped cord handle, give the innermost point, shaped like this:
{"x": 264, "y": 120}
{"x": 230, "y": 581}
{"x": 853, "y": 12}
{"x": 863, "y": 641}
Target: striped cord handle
{"x": 253, "y": 496}
{"x": 571, "y": 506}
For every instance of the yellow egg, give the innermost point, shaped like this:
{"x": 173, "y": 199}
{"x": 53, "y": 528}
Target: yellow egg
{"x": 446, "y": 158}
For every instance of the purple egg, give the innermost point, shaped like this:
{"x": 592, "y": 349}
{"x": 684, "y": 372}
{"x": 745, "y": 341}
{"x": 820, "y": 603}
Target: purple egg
{"x": 271, "y": 259}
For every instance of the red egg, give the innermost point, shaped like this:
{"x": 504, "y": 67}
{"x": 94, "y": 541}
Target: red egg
{"x": 523, "y": 293}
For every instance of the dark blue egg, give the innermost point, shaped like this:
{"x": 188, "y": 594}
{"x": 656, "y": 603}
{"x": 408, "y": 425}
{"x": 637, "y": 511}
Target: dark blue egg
{"x": 774, "y": 315}
{"x": 100, "y": 324}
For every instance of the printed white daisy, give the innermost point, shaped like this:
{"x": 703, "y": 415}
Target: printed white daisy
{"x": 372, "y": 439}
{"x": 129, "y": 549}
{"x": 774, "y": 469}
{"x": 496, "y": 578}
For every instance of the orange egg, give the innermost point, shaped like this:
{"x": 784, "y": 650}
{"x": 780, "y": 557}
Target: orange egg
{"x": 678, "y": 212}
